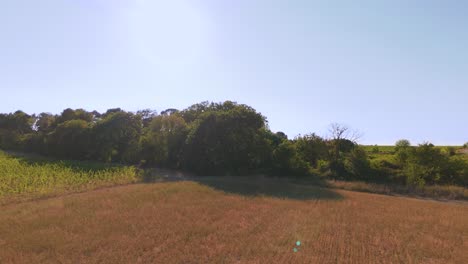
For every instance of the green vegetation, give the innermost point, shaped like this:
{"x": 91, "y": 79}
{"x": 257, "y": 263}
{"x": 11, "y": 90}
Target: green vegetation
{"x": 421, "y": 165}
{"x": 378, "y": 149}
{"x": 23, "y": 176}
{"x": 220, "y": 139}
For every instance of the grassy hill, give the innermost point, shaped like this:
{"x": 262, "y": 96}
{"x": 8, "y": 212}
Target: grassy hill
{"x": 386, "y": 149}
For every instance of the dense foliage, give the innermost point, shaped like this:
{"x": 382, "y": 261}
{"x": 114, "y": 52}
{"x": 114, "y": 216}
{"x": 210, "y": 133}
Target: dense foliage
{"x": 224, "y": 139}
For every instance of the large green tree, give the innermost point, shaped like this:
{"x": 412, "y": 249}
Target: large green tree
{"x": 70, "y": 139}
{"x": 116, "y": 137}
{"x": 163, "y": 141}
{"x": 225, "y": 138}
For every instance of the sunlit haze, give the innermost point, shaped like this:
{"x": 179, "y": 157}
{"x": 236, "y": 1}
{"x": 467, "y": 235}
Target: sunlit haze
{"x": 390, "y": 69}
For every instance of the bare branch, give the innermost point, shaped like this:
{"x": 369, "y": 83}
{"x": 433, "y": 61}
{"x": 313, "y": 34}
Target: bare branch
{"x": 339, "y": 131}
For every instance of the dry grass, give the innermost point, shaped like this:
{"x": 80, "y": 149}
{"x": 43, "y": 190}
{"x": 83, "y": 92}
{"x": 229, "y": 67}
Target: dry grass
{"x": 439, "y": 192}
{"x": 190, "y": 222}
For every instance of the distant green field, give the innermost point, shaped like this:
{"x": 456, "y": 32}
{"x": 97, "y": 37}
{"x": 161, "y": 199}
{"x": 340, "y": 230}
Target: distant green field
{"x": 371, "y": 148}
{"x": 386, "y": 153}
{"x": 389, "y": 149}
{"x": 35, "y": 176}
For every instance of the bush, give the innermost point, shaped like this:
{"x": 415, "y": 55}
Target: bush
{"x": 375, "y": 149}
{"x": 322, "y": 165}
{"x": 337, "y": 169}
{"x": 457, "y": 171}
{"x": 287, "y": 162}
{"x": 402, "y": 143}
{"x": 427, "y": 164}
{"x": 384, "y": 171}
{"x": 357, "y": 164}
{"x": 402, "y": 148}
{"x": 417, "y": 174}
{"x": 451, "y": 151}
{"x": 311, "y": 148}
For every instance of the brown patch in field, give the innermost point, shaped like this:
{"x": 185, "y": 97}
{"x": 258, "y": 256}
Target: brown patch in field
{"x": 187, "y": 222}
{"x": 463, "y": 151}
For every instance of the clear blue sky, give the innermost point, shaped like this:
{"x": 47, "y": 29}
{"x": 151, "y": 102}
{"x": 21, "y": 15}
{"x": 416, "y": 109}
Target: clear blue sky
{"x": 391, "y": 69}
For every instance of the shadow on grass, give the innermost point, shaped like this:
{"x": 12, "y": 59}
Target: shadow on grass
{"x": 256, "y": 186}
{"x": 153, "y": 175}
{"x": 251, "y": 186}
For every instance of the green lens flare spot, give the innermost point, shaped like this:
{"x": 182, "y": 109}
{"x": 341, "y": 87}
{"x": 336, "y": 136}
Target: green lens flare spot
{"x": 298, "y": 243}
{"x": 295, "y": 249}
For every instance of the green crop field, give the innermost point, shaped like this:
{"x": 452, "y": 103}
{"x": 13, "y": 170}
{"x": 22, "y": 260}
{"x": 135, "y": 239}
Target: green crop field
{"x": 376, "y": 148}
{"x": 391, "y": 149}
{"x": 35, "y": 177}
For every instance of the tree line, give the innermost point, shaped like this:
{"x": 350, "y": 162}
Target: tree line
{"x": 222, "y": 139}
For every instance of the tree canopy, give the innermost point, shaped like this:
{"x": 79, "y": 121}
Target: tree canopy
{"x": 222, "y": 139}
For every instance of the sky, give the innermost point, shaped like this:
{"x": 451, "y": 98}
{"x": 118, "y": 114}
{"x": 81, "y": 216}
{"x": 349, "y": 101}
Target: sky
{"x": 389, "y": 69}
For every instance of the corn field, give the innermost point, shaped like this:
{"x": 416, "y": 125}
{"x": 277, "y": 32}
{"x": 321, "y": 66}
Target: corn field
{"x": 21, "y": 177}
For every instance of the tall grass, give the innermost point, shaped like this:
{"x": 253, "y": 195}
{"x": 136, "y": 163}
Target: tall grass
{"x": 19, "y": 176}
{"x": 435, "y": 192}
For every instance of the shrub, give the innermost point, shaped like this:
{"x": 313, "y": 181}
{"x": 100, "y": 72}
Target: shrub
{"x": 427, "y": 164}
{"x": 322, "y": 165}
{"x": 456, "y": 171}
{"x": 402, "y": 143}
{"x": 287, "y": 162}
{"x": 451, "y": 151}
{"x": 338, "y": 169}
{"x": 311, "y": 148}
{"x": 402, "y": 148}
{"x": 375, "y": 149}
{"x": 416, "y": 174}
{"x": 383, "y": 171}
{"x": 357, "y": 164}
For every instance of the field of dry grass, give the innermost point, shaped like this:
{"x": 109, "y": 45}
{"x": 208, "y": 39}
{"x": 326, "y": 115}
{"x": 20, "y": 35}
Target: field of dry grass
{"x": 227, "y": 221}
{"x": 438, "y": 192}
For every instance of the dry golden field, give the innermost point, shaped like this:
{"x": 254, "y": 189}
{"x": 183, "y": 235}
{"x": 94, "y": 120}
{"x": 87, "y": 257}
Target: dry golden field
{"x": 232, "y": 221}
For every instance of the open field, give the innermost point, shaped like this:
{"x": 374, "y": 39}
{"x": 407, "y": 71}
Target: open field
{"x": 218, "y": 221}
{"x": 215, "y": 219}
{"x": 380, "y": 149}
{"x": 439, "y": 192}
{"x": 391, "y": 148}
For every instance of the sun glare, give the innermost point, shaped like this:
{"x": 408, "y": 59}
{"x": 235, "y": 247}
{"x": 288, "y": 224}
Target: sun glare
{"x": 167, "y": 33}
